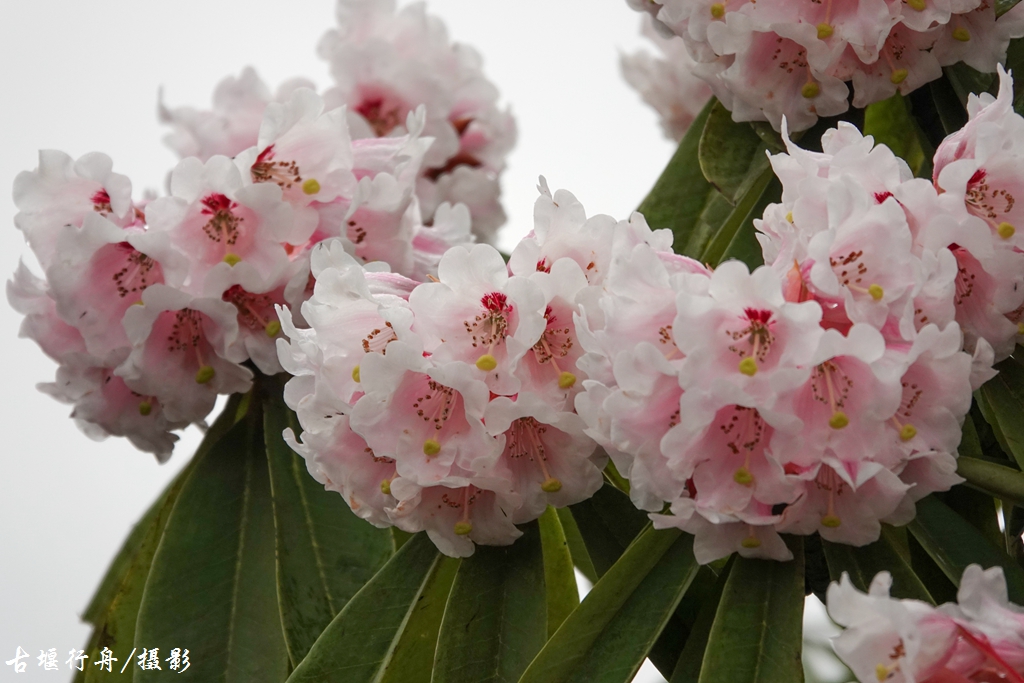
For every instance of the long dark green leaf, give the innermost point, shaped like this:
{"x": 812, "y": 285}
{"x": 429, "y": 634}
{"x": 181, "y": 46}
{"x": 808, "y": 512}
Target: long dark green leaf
{"x": 862, "y": 564}
{"x": 1002, "y": 402}
{"x": 608, "y": 522}
{"x": 756, "y": 636}
{"x": 573, "y": 643}
{"x": 679, "y": 195}
{"x": 496, "y": 618}
{"x": 115, "y": 620}
{"x": 890, "y": 123}
{"x": 359, "y": 645}
{"x": 741, "y": 217}
{"x": 211, "y": 588}
{"x": 412, "y": 659}
{"x": 729, "y": 152}
{"x": 559, "y": 578}
{"x": 577, "y": 548}
{"x": 691, "y": 657}
{"x": 994, "y": 479}
{"x": 324, "y": 552}
{"x": 1004, "y": 6}
{"x": 664, "y": 654}
{"x": 744, "y": 245}
{"x": 110, "y": 585}
{"x": 619, "y": 651}
{"x": 716, "y": 211}
{"x": 953, "y": 543}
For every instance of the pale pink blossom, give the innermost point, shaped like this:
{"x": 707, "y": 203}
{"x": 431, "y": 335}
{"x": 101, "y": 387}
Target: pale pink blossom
{"x": 475, "y": 313}
{"x": 233, "y": 124}
{"x": 666, "y": 82}
{"x": 63, "y": 191}
{"x": 185, "y": 351}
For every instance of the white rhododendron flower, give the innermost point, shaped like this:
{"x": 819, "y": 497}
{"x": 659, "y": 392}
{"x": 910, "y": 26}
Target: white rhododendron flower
{"x": 978, "y": 638}
{"x": 777, "y": 59}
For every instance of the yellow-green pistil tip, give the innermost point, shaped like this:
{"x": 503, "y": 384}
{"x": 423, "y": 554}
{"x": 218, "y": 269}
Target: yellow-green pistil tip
{"x": 876, "y": 292}
{"x": 272, "y": 329}
{"x": 1020, "y": 328}
{"x": 743, "y": 477}
{"x": 908, "y": 432}
{"x": 831, "y": 521}
{"x": 566, "y": 380}
{"x": 232, "y": 259}
{"x": 1005, "y": 230}
{"x": 838, "y": 420}
{"x": 898, "y": 76}
{"x": 431, "y": 447}
{"x": 385, "y": 487}
{"x": 810, "y": 90}
{"x": 961, "y": 34}
{"x": 750, "y": 542}
{"x": 145, "y": 408}
{"x": 881, "y": 672}
{"x": 487, "y": 362}
{"x": 355, "y": 373}
{"x": 748, "y": 366}
{"x": 917, "y": 5}
{"x": 205, "y": 374}
{"x": 718, "y": 10}
{"x": 825, "y": 31}
{"x": 463, "y": 528}
{"x": 551, "y": 485}
{"x": 311, "y": 186}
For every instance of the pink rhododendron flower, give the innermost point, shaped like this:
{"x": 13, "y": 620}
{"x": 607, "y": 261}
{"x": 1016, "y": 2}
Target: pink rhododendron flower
{"x": 776, "y": 59}
{"x": 978, "y": 638}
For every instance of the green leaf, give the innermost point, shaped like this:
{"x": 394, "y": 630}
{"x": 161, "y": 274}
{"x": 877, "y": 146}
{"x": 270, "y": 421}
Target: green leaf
{"x": 619, "y": 651}
{"x": 412, "y": 659}
{"x": 996, "y": 480}
{"x": 680, "y": 193}
{"x": 678, "y": 629}
{"x": 605, "y": 610}
{"x": 951, "y": 110}
{"x": 715, "y": 212}
{"x": 577, "y": 548}
{"x": 362, "y": 641}
{"x": 115, "y": 620}
{"x": 1015, "y": 64}
{"x": 496, "y": 618}
{"x": 608, "y": 523}
{"x": 967, "y": 80}
{"x": 687, "y": 669}
{"x": 729, "y": 152}
{"x": 125, "y": 558}
{"x": 1001, "y": 399}
{"x": 559, "y": 578}
{"x": 211, "y": 588}
{"x": 756, "y": 636}
{"x": 953, "y": 543}
{"x": 324, "y": 552}
{"x": 862, "y": 564}
{"x": 1004, "y": 6}
{"x": 890, "y": 123}
{"x": 744, "y": 245}
{"x": 749, "y": 206}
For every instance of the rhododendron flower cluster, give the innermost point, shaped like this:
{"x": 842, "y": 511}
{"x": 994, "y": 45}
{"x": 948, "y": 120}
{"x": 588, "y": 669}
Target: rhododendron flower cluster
{"x": 386, "y": 63}
{"x": 667, "y": 82}
{"x": 152, "y": 308}
{"x": 978, "y": 638}
{"x": 448, "y": 405}
{"x": 771, "y": 59}
{"x": 824, "y": 391}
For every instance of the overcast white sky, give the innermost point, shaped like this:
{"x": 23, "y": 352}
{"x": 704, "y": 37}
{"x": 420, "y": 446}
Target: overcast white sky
{"x": 83, "y": 76}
